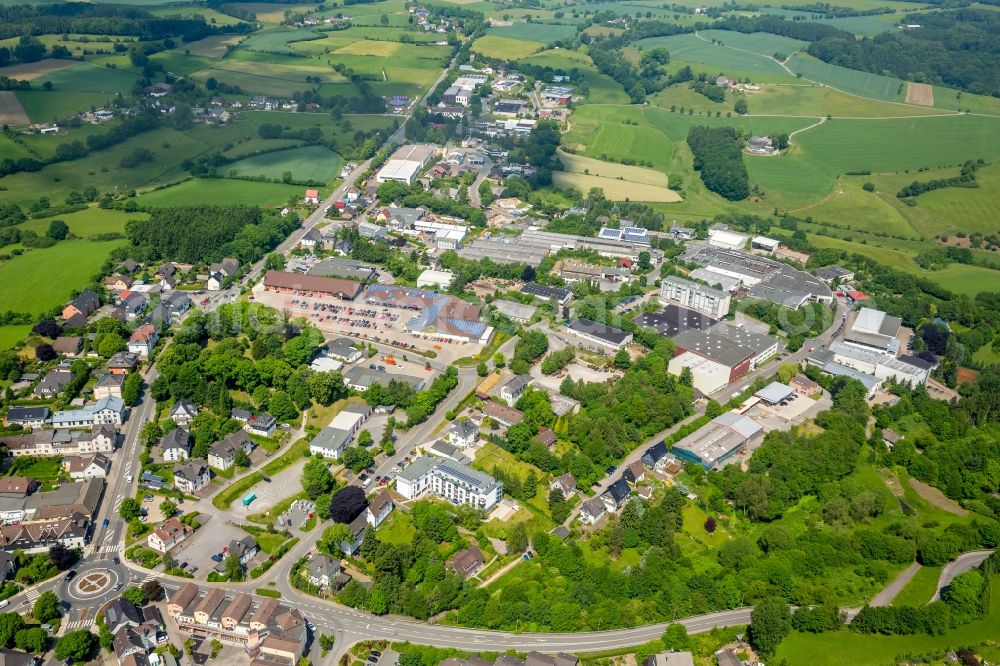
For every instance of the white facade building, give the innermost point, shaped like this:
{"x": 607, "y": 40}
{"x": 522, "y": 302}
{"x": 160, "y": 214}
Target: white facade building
{"x": 713, "y": 302}
{"x": 449, "y": 480}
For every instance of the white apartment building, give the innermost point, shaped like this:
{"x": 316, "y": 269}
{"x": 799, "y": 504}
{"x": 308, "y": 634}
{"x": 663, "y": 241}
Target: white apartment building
{"x": 688, "y": 294}
{"x": 449, "y": 480}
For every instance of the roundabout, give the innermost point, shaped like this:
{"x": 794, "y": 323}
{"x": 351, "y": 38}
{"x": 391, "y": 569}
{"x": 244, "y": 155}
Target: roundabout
{"x": 94, "y": 583}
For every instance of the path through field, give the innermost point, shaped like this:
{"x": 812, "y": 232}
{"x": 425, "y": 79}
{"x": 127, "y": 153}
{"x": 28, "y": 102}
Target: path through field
{"x": 919, "y": 93}
{"x": 889, "y": 592}
{"x": 937, "y": 498}
{"x": 11, "y": 111}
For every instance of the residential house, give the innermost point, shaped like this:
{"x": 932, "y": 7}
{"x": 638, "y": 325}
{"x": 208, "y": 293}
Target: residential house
{"x": 82, "y": 306}
{"x": 122, "y": 363}
{"x": 379, "y": 509}
{"x": 215, "y": 281}
{"x": 512, "y": 391}
{"x": 502, "y": 414}
{"x": 463, "y": 434}
{"x": 94, "y": 466}
{"x": 655, "y": 456}
{"x": 262, "y": 425}
{"x": 17, "y": 487}
{"x": 183, "y": 411}
{"x": 330, "y": 442}
{"x": 240, "y": 415}
{"x": 192, "y": 476}
{"x": 616, "y": 496}
{"x": 38, "y": 537}
{"x": 592, "y": 510}
{"x": 53, "y": 383}
{"x": 62, "y": 442}
{"x": 70, "y": 346}
{"x": 311, "y": 197}
{"x": 133, "y": 304}
{"x": 106, "y": 411}
{"x": 109, "y": 384}
{"x": 547, "y": 437}
{"x": 244, "y": 549}
{"x": 468, "y": 562}
{"x": 804, "y": 386}
{"x": 321, "y": 570}
{"x": 357, "y": 528}
{"x": 143, "y": 340}
{"x": 176, "y": 445}
{"x": 227, "y": 267}
{"x": 635, "y": 472}
{"x": 159, "y": 316}
{"x": 565, "y": 484}
{"x": 222, "y": 454}
{"x": 177, "y": 303}
{"x": 669, "y": 659}
{"x": 168, "y": 535}
{"x": 118, "y": 282}
{"x": 27, "y": 417}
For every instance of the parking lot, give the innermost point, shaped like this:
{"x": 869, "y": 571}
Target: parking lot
{"x": 198, "y": 549}
{"x": 364, "y": 322}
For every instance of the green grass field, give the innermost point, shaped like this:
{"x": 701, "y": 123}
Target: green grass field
{"x": 214, "y": 46}
{"x": 815, "y": 100}
{"x": 600, "y": 130}
{"x": 762, "y": 43}
{"x": 84, "y": 223}
{"x": 848, "y": 80}
{"x": 493, "y": 46}
{"x": 43, "y": 278}
{"x": 223, "y": 192}
{"x": 543, "y": 33}
{"x": 920, "y": 589}
{"x": 42, "y": 106}
{"x": 690, "y": 48}
{"x": 317, "y": 163}
{"x": 846, "y": 648}
{"x": 11, "y": 335}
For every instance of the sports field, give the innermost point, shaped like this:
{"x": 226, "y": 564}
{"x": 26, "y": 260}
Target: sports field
{"x": 849, "y": 80}
{"x": 223, "y": 192}
{"x": 42, "y": 278}
{"x": 317, "y": 163}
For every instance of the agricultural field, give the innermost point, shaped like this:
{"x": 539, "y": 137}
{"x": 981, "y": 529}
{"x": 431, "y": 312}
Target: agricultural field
{"x": 816, "y": 100}
{"x": 849, "y": 80}
{"x": 62, "y": 268}
{"x": 33, "y": 70}
{"x": 316, "y": 163}
{"x": 543, "y": 33}
{"x": 492, "y": 46}
{"x": 689, "y": 48}
{"x": 214, "y": 46}
{"x": 222, "y": 191}
{"x": 12, "y": 113}
{"x": 617, "y": 180}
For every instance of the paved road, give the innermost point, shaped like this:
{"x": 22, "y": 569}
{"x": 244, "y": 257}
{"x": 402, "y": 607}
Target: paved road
{"x": 474, "y": 199}
{"x": 889, "y": 592}
{"x": 961, "y": 564}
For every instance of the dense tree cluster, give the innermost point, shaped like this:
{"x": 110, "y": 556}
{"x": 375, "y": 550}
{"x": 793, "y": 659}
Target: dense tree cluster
{"x": 957, "y": 48}
{"x": 966, "y": 178}
{"x": 718, "y": 157}
{"x": 200, "y": 234}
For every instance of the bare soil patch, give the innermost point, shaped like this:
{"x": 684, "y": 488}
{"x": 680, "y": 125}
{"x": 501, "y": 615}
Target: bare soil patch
{"x": 11, "y": 111}
{"x": 919, "y": 93}
{"x": 937, "y": 498}
{"x": 32, "y": 70}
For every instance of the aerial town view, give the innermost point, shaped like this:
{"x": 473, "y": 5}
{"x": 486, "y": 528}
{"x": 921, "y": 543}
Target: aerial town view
{"x": 499, "y": 333}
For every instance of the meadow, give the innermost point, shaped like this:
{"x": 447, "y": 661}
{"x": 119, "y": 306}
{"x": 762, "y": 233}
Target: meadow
{"x": 690, "y": 48}
{"x": 543, "y": 33}
{"x": 853, "y": 81}
{"x": 846, "y": 648}
{"x": 41, "y": 279}
{"x": 214, "y": 46}
{"x": 84, "y": 223}
{"x": 617, "y": 180}
{"x": 493, "y": 46}
{"x": 316, "y": 163}
{"x": 11, "y": 335}
{"x": 817, "y": 100}
{"x": 222, "y": 191}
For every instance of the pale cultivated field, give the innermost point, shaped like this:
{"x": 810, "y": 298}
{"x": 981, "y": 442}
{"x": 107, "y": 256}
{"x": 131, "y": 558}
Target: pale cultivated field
{"x": 919, "y": 93}
{"x": 11, "y": 111}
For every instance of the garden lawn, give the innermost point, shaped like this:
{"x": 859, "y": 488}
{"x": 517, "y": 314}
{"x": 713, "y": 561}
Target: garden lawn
{"x": 43, "y": 278}
{"x": 398, "y": 529}
{"x": 222, "y": 191}
{"x": 42, "y": 469}
{"x": 270, "y": 543}
{"x": 846, "y": 648}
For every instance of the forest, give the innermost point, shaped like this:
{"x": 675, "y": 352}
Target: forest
{"x": 200, "y": 234}
{"x": 718, "y": 158}
{"x": 956, "y": 48}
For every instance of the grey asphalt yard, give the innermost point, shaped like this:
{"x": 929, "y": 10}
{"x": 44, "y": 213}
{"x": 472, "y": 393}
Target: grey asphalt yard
{"x": 213, "y": 536}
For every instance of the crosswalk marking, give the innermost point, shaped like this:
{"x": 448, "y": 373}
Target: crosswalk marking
{"x": 32, "y": 594}
{"x": 79, "y": 624}
{"x": 110, "y": 549}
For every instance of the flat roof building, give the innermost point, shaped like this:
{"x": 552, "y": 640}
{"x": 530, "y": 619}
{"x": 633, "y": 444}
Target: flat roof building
{"x": 406, "y": 163}
{"x": 775, "y": 393}
{"x": 449, "y": 480}
{"x": 874, "y": 329}
{"x": 673, "y": 320}
{"x": 516, "y": 312}
{"x": 314, "y": 285}
{"x": 435, "y": 279}
{"x": 712, "y": 445}
{"x": 712, "y": 302}
{"x": 605, "y": 337}
{"x": 349, "y": 269}
{"x": 707, "y": 375}
{"x": 727, "y": 239}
